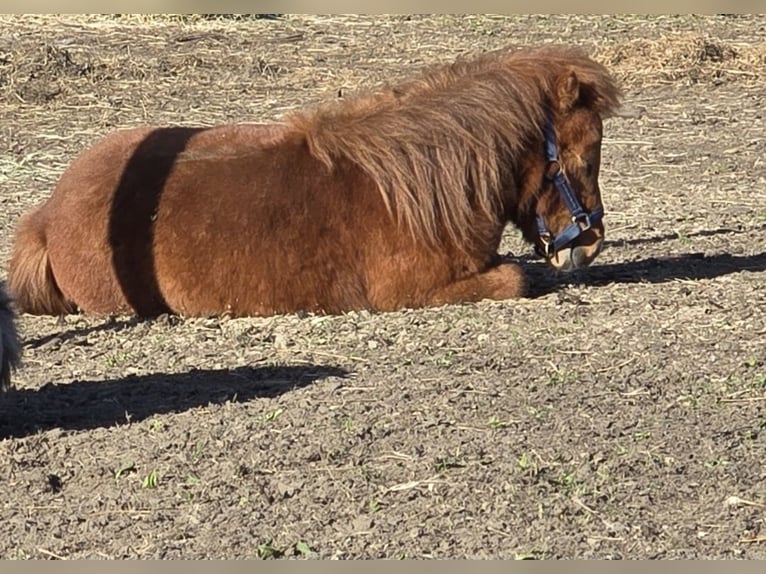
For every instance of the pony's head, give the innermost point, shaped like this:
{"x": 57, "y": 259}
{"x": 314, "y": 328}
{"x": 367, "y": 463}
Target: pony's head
{"x": 564, "y": 211}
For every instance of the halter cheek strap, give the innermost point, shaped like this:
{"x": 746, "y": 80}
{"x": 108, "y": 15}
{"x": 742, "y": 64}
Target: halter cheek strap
{"x": 581, "y": 219}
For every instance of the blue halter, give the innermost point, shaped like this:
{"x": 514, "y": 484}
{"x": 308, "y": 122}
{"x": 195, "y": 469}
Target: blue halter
{"x": 581, "y": 219}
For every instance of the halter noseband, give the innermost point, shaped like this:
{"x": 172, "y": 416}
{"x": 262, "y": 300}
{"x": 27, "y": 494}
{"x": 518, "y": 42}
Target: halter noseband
{"x": 581, "y": 219}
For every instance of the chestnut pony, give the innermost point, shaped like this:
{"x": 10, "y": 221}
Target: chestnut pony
{"x": 390, "y": 199}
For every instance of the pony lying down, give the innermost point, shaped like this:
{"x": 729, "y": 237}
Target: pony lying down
{"x": 389, "y": 199}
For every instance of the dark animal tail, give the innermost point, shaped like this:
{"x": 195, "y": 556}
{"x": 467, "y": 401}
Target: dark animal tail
{"x": 10, "y": 350}
{"x": 30, "y": 277}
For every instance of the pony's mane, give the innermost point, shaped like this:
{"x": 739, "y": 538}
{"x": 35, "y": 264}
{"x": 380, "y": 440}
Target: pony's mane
{"x": 439, "y": 146}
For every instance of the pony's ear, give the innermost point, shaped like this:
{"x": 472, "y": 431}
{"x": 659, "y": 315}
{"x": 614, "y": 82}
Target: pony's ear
{"x": 568, "y": 90}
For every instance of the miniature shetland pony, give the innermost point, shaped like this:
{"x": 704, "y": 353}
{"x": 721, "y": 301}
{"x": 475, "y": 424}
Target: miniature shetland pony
{"x": 390, "y": 199}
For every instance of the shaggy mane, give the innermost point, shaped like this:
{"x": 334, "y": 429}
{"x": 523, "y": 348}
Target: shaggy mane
{"x": 441, "y": 145}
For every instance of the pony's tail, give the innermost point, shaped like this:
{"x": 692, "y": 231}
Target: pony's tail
{"x": 10, "y": 349}
{"x": 30, "y": 277}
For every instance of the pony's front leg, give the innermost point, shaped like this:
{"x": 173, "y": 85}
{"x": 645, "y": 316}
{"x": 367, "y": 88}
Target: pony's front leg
{"x": 505, "y": 281}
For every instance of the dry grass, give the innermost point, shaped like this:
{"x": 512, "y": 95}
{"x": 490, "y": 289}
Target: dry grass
{"x": 688, "y": 57}
{"x": 640, "y": 51}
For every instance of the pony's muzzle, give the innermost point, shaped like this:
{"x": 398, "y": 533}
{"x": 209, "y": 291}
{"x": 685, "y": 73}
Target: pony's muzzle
{"x": 579, "y": 253}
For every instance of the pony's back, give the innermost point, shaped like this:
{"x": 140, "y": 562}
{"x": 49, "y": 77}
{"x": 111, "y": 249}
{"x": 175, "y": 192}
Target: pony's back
{"x": 10, "y": 349}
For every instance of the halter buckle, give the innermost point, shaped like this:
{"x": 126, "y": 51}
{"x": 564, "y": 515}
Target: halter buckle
{"x": 548, "y": 245}
{"x": 583, "y": 220}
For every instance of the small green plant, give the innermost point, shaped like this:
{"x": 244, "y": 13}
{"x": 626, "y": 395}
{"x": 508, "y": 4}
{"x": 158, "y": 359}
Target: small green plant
{"x": 266, "y": 551}
{"x": 525, "y": 556}
{"x": 273, "y": 415}
{"x": 304, "y": 549}
{"x": 348, "y": 424}
{"x": 447, "y": 360}
{"x": 124, "y": 469}
{"x": 567, "y": 479}
{"x": 571, "y": 484}
{"x": 117, "y": 359}
{"x": 151, "y": 480}
{"x": 373, "y": 506}
{"x": 560, "y": 377}
{"x": 156, "y": 425}
{"x": 495, "y": 422}
{"x": 534, "y": 411}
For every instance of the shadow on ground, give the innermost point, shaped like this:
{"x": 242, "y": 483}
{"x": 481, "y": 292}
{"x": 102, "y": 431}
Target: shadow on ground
{"x": 692, "y": 266}
{"x": 84, "y": 405}
{"x": 75, "y": 333}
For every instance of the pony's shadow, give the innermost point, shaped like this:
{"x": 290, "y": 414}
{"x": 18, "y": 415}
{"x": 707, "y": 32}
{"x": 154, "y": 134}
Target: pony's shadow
{"x": 691, "y": 266}
{"x": 84, "y": 405}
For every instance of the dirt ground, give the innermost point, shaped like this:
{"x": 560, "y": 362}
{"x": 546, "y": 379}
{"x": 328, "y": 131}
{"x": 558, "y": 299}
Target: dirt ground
{"x": 618, "y": 413}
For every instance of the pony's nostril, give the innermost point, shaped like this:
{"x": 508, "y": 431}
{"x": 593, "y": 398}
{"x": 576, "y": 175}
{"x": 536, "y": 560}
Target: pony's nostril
{"x": 582, "y": 256}
{"x": 562, "y": 260}
{"x": 578, "y": 257}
